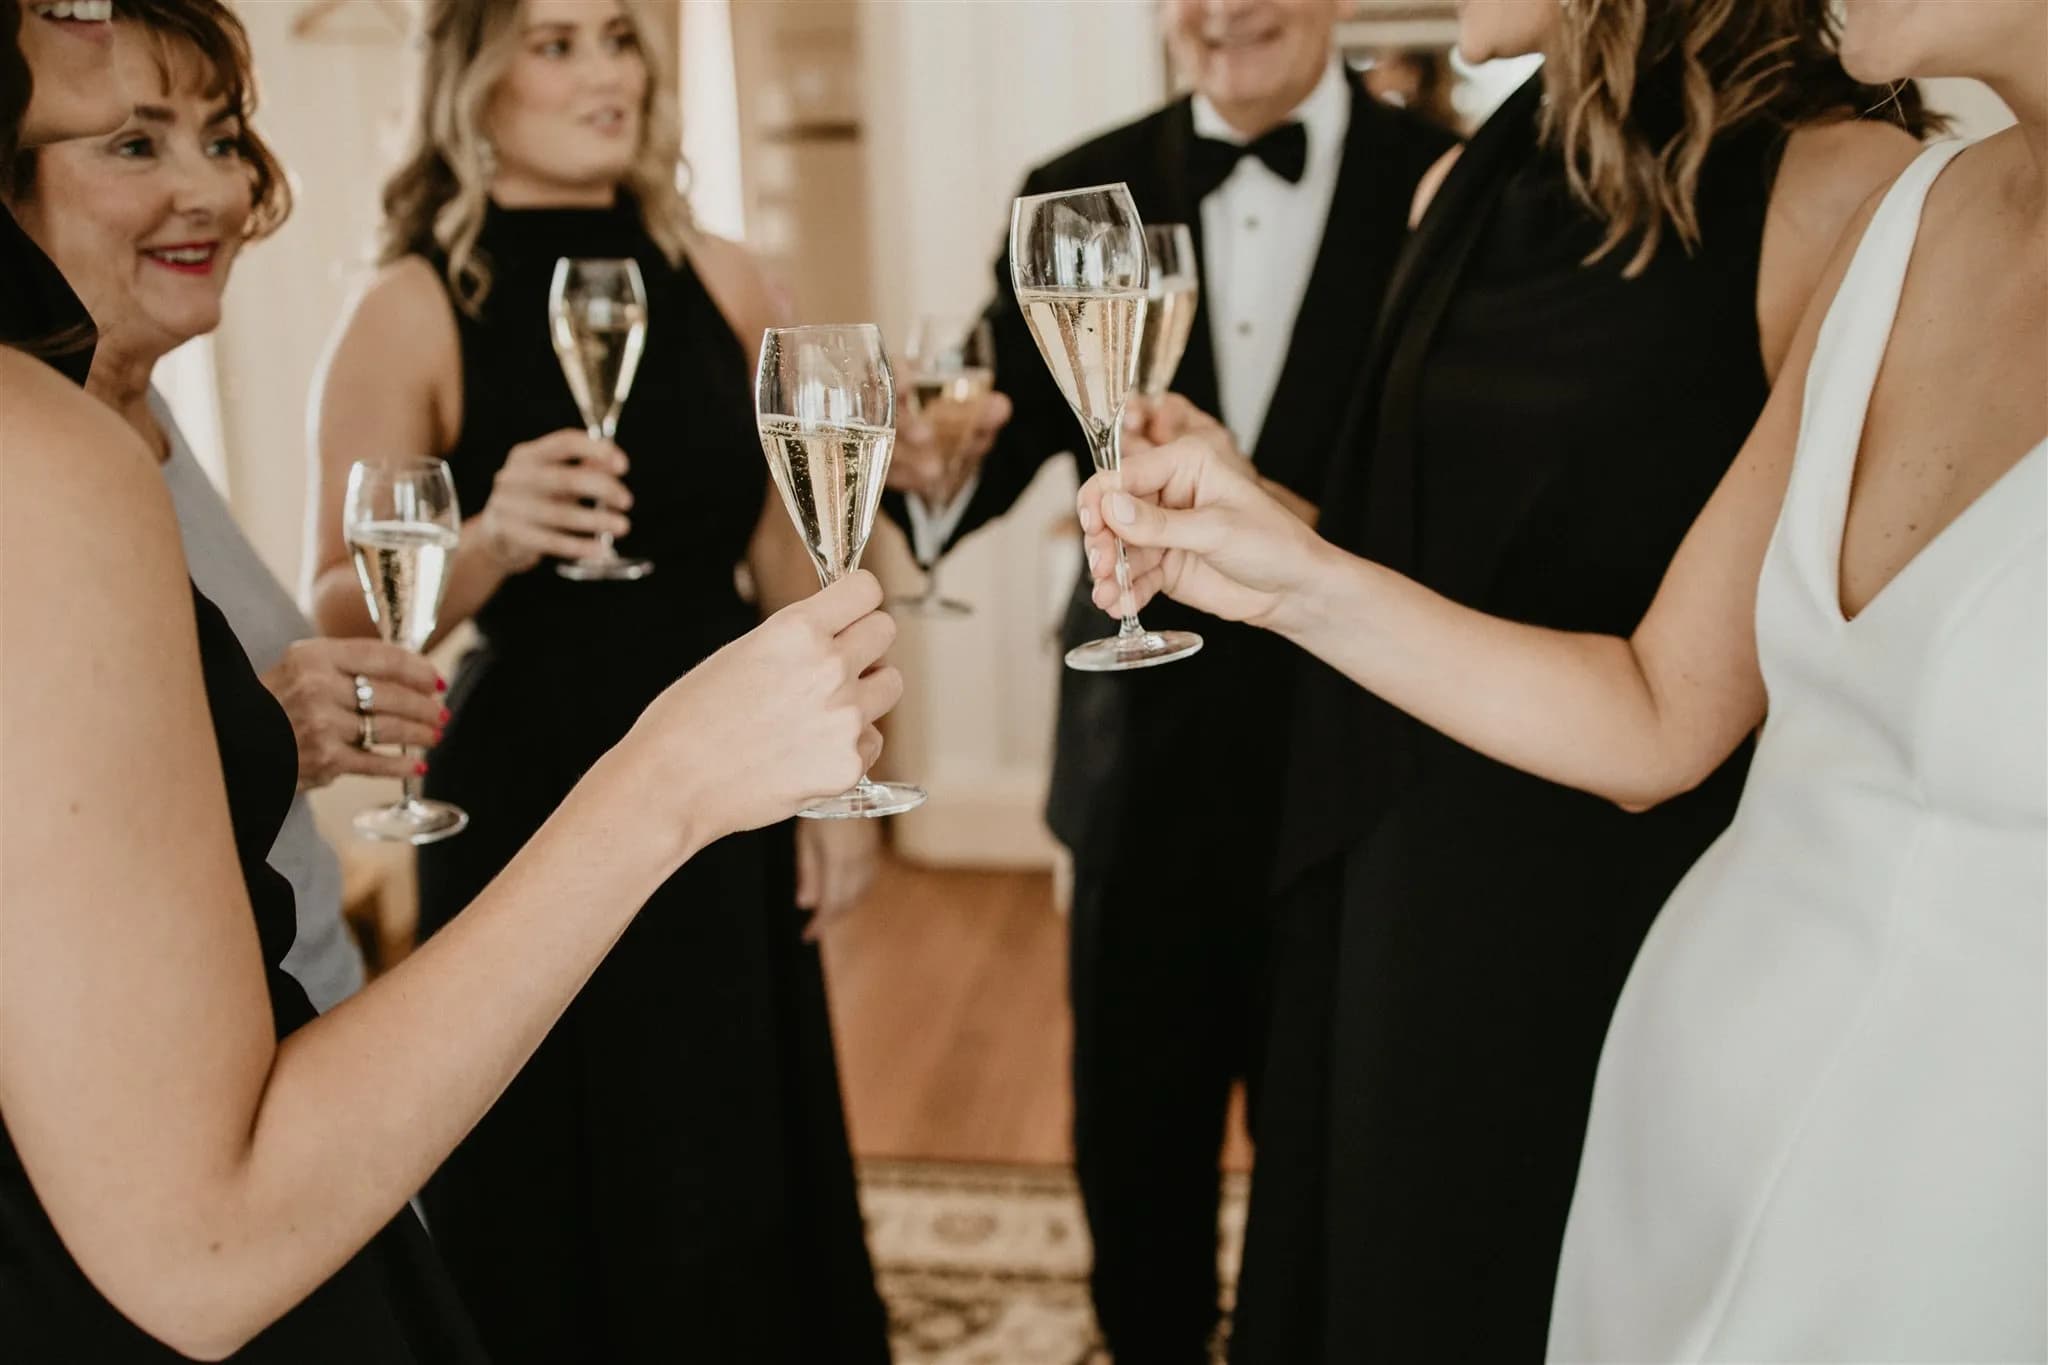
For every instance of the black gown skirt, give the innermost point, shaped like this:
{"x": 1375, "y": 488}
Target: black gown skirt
{"x": 668, "y": 1178}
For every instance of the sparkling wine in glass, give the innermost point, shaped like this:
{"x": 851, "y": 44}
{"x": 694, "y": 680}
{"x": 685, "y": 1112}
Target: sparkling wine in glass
{"x": 401, "y": 522}
{"x": 1172, "y": 293}
{"x": 1077, "y": 261}
{"x": 826, "y": 408}
{"x": 597, "y": 318}
{"x": 951, "y": 364}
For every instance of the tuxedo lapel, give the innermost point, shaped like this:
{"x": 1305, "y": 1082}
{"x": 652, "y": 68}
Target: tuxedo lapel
{"x": 1332, "y": 328}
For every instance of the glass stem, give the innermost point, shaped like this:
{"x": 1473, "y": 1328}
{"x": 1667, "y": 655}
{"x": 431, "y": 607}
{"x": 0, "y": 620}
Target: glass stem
{"x": 411, "y": 782}
{"x": 597, "y": 432}
{"x": 1109, "y": 455}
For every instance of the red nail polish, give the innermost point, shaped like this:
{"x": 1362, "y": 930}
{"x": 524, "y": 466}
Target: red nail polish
{"x": 419, "y": 770}
{"x": 437, "y": 737}
{"x": 446, "y": 715}
{"x": 440, "y": 684}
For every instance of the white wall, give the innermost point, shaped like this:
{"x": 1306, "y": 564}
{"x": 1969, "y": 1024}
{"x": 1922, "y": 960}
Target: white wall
{"x": 961, "y": 100}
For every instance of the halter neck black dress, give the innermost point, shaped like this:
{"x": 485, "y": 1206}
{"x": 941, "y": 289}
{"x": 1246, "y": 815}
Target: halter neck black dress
{"x": 1533, "y": 439}
{"x": 669, "y": 1177}
{"x": 392, "y": 1300}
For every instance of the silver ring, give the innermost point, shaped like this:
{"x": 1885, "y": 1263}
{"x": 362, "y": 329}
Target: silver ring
{"x": 366, "y": 730}
{"x": 366, "y": 697}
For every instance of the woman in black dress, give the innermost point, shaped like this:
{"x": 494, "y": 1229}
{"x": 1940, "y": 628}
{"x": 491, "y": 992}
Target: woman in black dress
{"x": 193, "y": 1163}
{"x": 669, "y": 1178}
{"x": 1581, "y": 333}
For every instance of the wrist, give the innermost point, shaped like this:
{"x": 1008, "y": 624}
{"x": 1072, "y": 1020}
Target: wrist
{"x": 1311, "y": 600}
{"x": 640, "y": 813}
{"x": 482, "y": 533}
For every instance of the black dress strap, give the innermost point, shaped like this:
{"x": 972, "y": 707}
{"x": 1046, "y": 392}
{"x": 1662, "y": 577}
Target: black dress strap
{"x": 39, "y": 313}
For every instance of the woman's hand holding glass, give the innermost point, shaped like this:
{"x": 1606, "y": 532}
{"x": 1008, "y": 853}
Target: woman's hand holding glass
{"x": 316, "y": 683}
{"x": 780, "y": 717}
{"x": 539, "y": 504}
{"x": 1198, "y": 526}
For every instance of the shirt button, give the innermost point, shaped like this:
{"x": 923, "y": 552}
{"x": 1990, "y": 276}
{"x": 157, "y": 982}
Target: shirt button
{"x": 1244, "y": 329}
{"x": 1251, "y": 223}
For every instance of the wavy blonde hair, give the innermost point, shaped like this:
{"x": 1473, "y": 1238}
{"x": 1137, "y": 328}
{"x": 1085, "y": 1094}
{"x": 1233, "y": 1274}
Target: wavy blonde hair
{"x": 441, "y": 188}
{"x": 1639, "y": 90}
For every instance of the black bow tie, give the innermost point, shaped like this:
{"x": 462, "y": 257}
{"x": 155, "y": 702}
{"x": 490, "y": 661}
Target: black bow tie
{"x": 1211, "y": 160}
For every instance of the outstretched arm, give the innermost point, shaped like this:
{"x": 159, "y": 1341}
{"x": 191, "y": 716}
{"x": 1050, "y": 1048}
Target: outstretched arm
{"x": 1636, "y": 720}
{"x": 204, "y": 1176}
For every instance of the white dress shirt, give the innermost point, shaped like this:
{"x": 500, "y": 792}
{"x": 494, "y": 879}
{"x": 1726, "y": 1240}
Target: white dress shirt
{"x": 1260, "y": 239}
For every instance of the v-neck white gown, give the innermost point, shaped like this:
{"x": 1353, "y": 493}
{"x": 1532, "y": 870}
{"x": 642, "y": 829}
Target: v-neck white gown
{"x": 1820, "y": 1128}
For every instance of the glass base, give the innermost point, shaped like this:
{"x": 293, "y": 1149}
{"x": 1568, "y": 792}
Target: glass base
{"x": 928, "y": 605}
{"x": 412, "y": 822}
{"x": 868, "y": 801}
{"x": 1148, "y": 649}
{"x": 610, "y": 569}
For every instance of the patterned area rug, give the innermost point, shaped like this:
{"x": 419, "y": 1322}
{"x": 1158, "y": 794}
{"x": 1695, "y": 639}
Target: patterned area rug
{"x": 988, "y": 1265}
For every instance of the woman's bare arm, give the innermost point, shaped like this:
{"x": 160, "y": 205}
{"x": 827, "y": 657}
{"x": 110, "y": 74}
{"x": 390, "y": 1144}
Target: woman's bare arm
{"x": 204, "y": 1177}
{"x": 1637, "y": 720}
{"x": 389, "y": 388}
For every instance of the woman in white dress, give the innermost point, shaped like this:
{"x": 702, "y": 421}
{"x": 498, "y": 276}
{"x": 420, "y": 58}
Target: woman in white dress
{"x": 1821, "y": 1121}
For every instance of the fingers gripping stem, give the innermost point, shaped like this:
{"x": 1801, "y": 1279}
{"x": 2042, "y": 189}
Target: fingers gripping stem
{"x": 1127, "y": 608}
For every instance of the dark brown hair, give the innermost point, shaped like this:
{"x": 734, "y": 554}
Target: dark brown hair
{"x": 1640, "y": 89}
{"x": 15, "y": 86}
{"x": 207, "y": 32}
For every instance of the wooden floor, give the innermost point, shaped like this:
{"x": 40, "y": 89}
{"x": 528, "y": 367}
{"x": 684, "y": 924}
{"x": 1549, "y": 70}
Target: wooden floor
{"x": 949, "y": 1000}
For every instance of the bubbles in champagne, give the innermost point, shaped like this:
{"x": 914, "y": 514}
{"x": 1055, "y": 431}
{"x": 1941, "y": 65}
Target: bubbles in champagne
{"x": 951, "y": 402}
{"x": 830, "y": 475}
{"x": 1169, "y": 319}
{"x": 598, "y": 340}
{"x": 1089, "y": 339}
{"x": 403, "y": 567}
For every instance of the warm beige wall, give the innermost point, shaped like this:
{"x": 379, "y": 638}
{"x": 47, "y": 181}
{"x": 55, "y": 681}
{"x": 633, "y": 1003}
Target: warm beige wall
{"x": 330, "y": 108}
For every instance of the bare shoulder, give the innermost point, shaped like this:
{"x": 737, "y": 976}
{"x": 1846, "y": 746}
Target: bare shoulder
{"x": 1830, "y": 169}
{"x": 398, "y": 340}
{"x": 1830, "y": 173}
{"x": 62, "y": 450}
{"x": 1432, "y": 181}
{"x": 403, "y": 307}
{"x": 751, "y": 299}
{"x": 85, "y": 507}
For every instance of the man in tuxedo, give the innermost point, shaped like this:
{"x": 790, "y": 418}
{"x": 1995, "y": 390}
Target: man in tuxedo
{"x": 1296, "y": 186}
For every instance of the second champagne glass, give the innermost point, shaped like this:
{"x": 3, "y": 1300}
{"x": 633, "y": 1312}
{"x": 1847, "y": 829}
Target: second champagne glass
{"x": 952, "y": 368}
{"x": 1077, "y": 260}
{"x": 401, "y": 523}
{"x": 1172, "y": 294}
{"x": 826, "y": 407}
{"x": 597, "y": 318}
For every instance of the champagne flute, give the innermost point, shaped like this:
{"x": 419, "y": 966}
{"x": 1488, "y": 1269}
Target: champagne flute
{"x": 1171, "y": 297}
{"x": 826, "y": 407}
{"x": 1077, "y": 261}
{"x": 952, "y": 369}
{"x": 597, "y": 318}
{"x": 401, "y": 523}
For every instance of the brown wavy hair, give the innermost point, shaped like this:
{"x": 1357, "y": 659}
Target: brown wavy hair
{"x": 16, "y": 85}
{"x": 207, "y": 32}
{"x": 439, "y": 192}
{"x": 1639, "y": 90}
